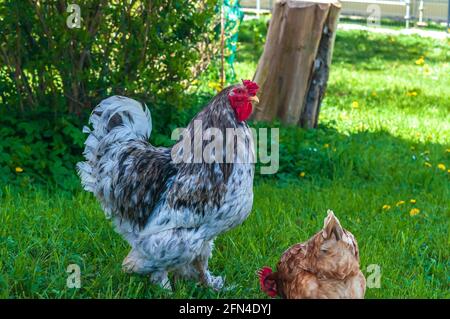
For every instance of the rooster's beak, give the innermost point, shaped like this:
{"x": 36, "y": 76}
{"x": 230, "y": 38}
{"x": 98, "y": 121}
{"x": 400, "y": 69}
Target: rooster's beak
{"x": 254, "y": 99}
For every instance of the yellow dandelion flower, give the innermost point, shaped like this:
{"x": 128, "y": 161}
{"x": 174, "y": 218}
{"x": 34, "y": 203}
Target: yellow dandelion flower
{"x": 448, "y": 171}
{"x": 414, "y": 212}
{"x": 19, "y": 169}
{"x": 412, "y": 201}
{"x": 355, "y": 104}
{"x": 326, "y": 145}
{"x": 427, "y": 164}
{"x": 420, "y": 61}
{"x": 374, "y": 93}
{"x": 441, "y": 167}
{"x": 447, "y": 150}
{"x": 400, "y": 203}
{"x": 302, "y": 174}
{"x": 215, "y": 85}
{"x": 386, "y": 207}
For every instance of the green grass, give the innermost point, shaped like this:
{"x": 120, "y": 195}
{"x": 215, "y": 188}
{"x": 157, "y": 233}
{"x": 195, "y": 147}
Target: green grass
{"x": 358, "y": 160}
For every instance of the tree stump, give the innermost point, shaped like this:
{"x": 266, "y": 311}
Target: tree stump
{"x": 293, "y": 70}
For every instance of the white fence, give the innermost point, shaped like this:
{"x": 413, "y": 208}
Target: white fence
{"x": 428, "y": 10}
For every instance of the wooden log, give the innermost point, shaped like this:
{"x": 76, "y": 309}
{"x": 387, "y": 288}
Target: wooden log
{"x": 293, "y": 70}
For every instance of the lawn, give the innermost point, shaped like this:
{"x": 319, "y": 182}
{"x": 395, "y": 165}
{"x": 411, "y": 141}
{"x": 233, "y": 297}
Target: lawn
{"x": 381, "y": 150}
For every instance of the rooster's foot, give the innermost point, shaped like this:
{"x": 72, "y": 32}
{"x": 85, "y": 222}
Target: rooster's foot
{"x": 214, "y": 282}
{"x": 161, "y": 279}
{"x": 131, "y": 264}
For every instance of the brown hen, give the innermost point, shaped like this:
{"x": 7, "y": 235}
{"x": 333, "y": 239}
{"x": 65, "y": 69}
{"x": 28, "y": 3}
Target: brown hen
{"x": 326, "y": 266}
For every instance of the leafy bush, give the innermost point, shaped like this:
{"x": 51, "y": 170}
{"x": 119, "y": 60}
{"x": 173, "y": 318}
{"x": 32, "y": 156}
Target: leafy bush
{"x": 137, "y": 48}
{"x": 40, "y": 147}
{"x": 51, "y": 75}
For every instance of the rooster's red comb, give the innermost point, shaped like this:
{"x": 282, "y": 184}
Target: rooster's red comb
{"x": 251, "y": 87}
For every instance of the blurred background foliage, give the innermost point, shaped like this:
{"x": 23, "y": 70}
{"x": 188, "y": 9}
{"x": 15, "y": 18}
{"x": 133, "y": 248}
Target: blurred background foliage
{"x": 152, "y": 49}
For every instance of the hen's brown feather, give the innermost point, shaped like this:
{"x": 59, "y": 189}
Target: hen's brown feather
{"x": 326, "y": 266}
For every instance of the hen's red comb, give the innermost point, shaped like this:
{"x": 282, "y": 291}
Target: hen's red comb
{"x": 252, "y": 87}
{"x": 267, "y": 285}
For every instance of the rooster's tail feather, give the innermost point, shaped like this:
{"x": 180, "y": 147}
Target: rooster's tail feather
{"x": 116, "y": 119}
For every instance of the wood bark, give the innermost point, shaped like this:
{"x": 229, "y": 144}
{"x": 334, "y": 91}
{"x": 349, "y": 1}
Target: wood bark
{"x": 293, "y": 70}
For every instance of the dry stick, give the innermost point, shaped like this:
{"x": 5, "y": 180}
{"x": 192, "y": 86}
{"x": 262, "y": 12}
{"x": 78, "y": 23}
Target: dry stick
{"x": 9, "y": 64}
{"x": 20, "y": 74}
{"x": 147, "y": 11}
{"x": 127, "y": 62}
{"x": 107, "y": 52}
{"x": 92, "y": 31}
{"x": 51, "y": 43}
{"x": 222, "y": 45}
{"x": 206, "y": 48}
{"x": 47, "y": 31}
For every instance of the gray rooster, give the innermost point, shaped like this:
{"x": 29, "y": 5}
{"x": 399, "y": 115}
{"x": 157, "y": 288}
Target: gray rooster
{"x": 171, "y": 210}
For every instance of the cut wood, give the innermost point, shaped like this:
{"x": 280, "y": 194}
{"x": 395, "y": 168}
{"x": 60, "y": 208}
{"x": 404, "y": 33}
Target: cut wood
{"x": 293, "y": 69}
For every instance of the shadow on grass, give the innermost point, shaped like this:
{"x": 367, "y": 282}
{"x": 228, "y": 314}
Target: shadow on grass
{"x": 367, "y": 50}
{"x": 341, "y": 93}
{"x": 325, "y": 155}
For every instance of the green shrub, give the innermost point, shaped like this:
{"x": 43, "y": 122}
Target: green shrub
{"x": 40, "y": 148}
{"x": 152, "y": 50}
{"x": 51, "y": 76}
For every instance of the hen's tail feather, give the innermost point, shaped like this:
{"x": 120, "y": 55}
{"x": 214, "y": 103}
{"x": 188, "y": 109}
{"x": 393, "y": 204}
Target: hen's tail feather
{"x": 267, "y": 283}
{"x": 116, "y": 119}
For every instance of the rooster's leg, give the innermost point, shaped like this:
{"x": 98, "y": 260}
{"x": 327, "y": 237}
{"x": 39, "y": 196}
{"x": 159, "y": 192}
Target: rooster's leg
{"x": 201, "y": 265}
{"x": 136, "y": 263}
{"x": 161, "y": 279}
